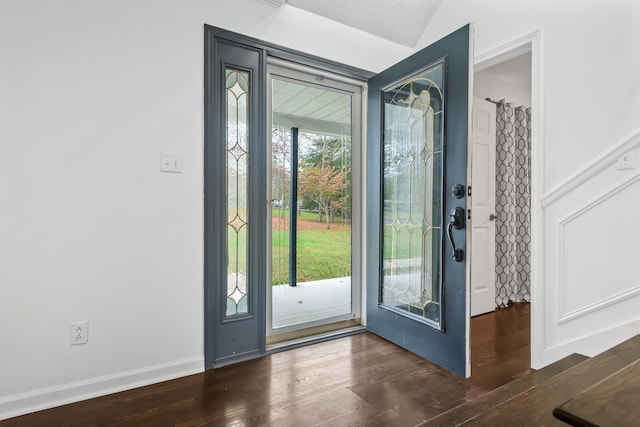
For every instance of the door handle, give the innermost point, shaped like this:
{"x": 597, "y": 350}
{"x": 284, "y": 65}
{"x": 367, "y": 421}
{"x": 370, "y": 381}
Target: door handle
{"x": 456, "y": 221}
{"x": 492, "y": 217}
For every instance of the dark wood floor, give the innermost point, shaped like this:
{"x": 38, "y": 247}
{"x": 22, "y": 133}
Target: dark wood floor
{"x": 361, "y": 380}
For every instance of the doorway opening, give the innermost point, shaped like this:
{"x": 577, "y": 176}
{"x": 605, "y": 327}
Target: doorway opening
{"x": 505, "y": 81}
{"x": 313, "y": 165}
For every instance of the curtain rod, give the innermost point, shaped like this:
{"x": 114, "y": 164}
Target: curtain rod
{"x": 504, "y": 102}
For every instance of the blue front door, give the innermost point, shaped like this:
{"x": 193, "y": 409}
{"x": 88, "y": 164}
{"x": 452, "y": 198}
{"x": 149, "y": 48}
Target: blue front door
{"x": 418, "y": 134}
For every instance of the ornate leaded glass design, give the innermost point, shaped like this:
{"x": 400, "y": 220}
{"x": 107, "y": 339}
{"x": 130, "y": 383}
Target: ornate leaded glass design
{"x": 237, "y": 93}
{"x": 412, "y": 191}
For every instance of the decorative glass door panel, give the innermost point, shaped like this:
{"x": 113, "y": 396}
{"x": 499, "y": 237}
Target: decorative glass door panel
{"x": 237, "y": 92}
{"x": 412, "y": 194}
{"x": 418, "y": 139}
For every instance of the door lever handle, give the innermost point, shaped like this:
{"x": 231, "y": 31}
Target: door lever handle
{"x": 456, "y": 221}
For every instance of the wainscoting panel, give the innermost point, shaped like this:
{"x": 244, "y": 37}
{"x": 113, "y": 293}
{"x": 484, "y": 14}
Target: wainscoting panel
{"x": 598, "y": 264}
{"x": 591, "y": 245}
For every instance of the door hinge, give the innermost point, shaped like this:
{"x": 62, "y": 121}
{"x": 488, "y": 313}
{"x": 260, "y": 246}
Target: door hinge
{"x": 469, "y": 191}
{"x": 469, "y": 214}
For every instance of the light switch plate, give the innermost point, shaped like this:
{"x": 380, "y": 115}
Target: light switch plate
{"x": 627, "y": 161}
{"x": 171, "y": 162}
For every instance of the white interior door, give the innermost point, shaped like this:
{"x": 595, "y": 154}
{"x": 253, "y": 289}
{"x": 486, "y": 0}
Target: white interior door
{"x": 483, "y": 202}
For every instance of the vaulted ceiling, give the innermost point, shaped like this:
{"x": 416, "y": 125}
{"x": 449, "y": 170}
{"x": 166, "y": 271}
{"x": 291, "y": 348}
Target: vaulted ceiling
{"x": 324, "y": 111}
{"x": 400, "y": 21}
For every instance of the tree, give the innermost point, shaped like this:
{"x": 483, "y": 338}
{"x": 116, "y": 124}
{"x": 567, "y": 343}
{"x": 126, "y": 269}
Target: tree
{"x": 332, "y": 153}
{"x": 325, "y": 186}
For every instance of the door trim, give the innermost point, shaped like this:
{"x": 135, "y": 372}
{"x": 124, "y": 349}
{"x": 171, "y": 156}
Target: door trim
{"x": 532, "y": 42}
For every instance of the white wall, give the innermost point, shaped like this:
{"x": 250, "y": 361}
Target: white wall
{"x": 90, "y": 93}
{"x": 587, "y": 292}
{"x": 509, "y": 80}
{"x": 589, "y": 62}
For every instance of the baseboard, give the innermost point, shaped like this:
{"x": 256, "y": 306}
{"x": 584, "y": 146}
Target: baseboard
{"x": 49, "y": 397}
{"x": 590, "y": 345}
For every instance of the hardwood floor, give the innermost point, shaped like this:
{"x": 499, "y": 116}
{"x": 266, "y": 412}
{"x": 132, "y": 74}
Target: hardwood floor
{"x": 500, "y": 346}
{"x": 362, "y": 380}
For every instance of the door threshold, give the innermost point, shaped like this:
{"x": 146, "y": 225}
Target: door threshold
{"x": 314, "y": 339}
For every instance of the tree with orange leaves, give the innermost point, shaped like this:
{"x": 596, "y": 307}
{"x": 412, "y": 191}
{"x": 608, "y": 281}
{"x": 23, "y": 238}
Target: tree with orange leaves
{"x": 325, "y": 185}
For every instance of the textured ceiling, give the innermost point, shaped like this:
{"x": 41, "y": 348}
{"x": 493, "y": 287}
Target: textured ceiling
{"x": 401, "y": 21}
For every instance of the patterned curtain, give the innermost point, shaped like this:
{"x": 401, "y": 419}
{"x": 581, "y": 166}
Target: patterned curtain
{"x": 513, "y": 195}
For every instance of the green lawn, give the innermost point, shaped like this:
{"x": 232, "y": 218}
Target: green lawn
{"x": 322, "y": 253}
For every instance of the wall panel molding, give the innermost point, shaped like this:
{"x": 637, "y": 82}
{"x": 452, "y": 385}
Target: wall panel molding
{"x": 563, "y": 316}
{"x": 599, "y": 305}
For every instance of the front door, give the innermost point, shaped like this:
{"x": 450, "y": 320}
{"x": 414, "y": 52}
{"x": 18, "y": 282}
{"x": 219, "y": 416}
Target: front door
{"x": 418, "y": 139}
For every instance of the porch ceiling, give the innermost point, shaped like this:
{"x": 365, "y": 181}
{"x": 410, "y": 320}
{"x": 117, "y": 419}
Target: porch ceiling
{"x": 310, "y": 108}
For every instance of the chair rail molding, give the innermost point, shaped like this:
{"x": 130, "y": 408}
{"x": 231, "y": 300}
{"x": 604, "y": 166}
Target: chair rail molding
{"x": 591, "y": 170}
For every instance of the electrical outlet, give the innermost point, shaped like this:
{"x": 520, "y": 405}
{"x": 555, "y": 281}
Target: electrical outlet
{"x": 79, "y": 333}
{"x": 170, "y": 162}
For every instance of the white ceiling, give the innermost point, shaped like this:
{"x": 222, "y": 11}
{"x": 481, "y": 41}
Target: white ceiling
{"x": 515, "y": 70}
{"x": 509, "y": 80}
{"x": 401, "y": 21}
